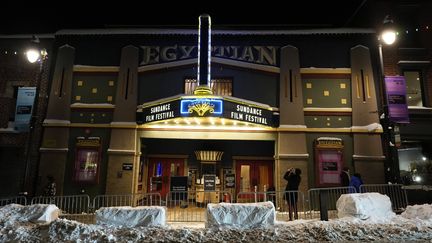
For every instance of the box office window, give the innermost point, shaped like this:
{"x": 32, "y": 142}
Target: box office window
{"x": 220, "y": 86}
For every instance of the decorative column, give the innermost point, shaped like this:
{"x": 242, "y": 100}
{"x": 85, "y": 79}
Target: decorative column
{"x": 291, "y": 150}
{"x": 368, "y": 156}
{"x": 122, "y": 151}
{"x": 55, "y": 141}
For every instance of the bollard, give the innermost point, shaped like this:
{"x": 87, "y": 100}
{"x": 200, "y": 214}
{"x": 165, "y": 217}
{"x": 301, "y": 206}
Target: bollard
{"x": 323, "y": 199}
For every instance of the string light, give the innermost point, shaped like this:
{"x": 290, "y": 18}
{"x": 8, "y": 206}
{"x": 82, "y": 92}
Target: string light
{"x": 421, "y": 28}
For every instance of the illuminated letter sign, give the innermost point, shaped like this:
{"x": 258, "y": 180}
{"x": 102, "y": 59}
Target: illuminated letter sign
{"x": 201, "y": 107}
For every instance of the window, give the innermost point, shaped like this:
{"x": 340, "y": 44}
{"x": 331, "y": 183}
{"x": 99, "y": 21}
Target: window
{"x": 414, "y": 88}
{"x": 221, "y": 86}
{"x": 415, "y": 163}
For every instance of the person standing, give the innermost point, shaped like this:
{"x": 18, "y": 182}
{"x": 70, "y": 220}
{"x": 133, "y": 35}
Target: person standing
{"x": 50, "y": 188}
{"x": 345, "y": 177}
{"x": 356, "y": 181}
{"x": 291, "y": 191}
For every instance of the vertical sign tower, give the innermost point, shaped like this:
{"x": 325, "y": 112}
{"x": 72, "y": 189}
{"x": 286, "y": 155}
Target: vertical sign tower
{"x": 204, "y": 55}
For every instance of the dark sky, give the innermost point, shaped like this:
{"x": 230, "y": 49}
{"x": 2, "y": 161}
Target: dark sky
{"x": 23, "y": 18}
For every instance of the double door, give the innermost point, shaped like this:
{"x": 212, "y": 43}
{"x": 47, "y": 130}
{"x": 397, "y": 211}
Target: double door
{"x": 160, "y": 172}
{"x": 251, "y": 175}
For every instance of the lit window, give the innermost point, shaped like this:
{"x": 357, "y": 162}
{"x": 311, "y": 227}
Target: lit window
{"x": 86, "y": 165}
{"x": 222, "y": 86}
{"x": 414, "y": 90}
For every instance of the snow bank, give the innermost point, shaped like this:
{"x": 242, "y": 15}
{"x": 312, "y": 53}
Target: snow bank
{"x": 240, "y": 215}
{"x": 418, "y": 212}
{"x": 365, "y": 206}
{"x": 131, "y": 216}
{"x": 35, "y": 213}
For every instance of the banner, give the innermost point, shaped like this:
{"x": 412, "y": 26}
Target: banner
{"x": 24, "y": 108}
{"x": 396, "y": 99}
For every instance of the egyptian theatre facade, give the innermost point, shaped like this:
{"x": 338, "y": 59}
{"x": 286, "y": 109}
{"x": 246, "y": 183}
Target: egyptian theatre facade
{"x": 127, "y": 112}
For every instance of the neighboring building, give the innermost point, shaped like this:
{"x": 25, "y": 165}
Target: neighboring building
{"x": 122, "y": 116}
{"x": 411, "y": 57}
{"x": 19, "y": 149}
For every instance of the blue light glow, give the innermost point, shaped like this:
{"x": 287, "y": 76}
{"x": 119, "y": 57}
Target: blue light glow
{"x": 205, "y": 105}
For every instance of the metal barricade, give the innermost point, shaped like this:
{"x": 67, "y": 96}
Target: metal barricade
{"x": 395, "y": 192}
{"x": 148, "y": 199}
{"x": 74, "y": 207}
{"x": 16, "y": 200}
{"x": 251, "y": 197}
{"x": 112, "y": 201}
{"x": 190, "y": 206}
{"x": 328, "y": 197}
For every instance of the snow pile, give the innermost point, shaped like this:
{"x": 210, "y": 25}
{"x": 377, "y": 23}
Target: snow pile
{"x": 131, "y": 216}
{"x": 365, "y": 206}
{"x": 36, "y": 213}
{"x": 418, "y": 212}
{"x": 241, "y": 215}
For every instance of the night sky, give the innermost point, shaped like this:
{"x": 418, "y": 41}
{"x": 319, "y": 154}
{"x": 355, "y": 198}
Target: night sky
{"x": 48, "y": 18}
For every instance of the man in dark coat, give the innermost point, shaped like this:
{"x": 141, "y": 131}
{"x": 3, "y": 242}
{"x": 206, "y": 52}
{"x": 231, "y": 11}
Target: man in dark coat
{"x": 291, "y": 190}
{"x": 345, "y": 177}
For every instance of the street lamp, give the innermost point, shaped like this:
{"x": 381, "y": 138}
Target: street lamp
{"x": 387, "y": 36}
{"x": 39, "y": 55}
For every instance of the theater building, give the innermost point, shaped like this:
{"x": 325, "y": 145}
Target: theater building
{"x": 125, "y": 115}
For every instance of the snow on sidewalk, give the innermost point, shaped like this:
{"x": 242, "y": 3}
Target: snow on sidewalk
{"x": 396, "y": 228}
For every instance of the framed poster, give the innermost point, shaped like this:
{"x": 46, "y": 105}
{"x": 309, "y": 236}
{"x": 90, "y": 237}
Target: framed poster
{"x": 87, "y": 160}
{"x": 328, "y": 161}
{"x": 229, "y": 180}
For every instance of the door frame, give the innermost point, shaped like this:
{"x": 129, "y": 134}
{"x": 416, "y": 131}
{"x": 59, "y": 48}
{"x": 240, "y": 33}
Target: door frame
{"x": 239, "y": 160}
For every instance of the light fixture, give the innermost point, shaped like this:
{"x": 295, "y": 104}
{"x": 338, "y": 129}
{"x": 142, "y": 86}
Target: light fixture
{"x": 388, "y": 33}
{"x": 35, "y": 53}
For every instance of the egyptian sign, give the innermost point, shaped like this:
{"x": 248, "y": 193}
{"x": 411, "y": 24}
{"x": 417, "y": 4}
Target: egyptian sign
{"x": 264, "y": 55}
{"x": 396, "y": 99}
{"x": 206, "y": 107}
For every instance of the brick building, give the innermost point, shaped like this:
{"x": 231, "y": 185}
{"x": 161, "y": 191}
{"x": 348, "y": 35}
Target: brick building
{"x": 19, "y": 151}
{"x": 411, "y": 57}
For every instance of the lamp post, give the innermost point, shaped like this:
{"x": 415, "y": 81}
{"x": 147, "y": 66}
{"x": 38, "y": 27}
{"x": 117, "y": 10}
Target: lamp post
{"x": 387, "y": 36}
{"x": 35, "y": 54}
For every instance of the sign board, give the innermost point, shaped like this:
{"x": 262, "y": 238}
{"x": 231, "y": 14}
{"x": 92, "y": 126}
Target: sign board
{"x": 396, "y": 99}
{"x": 178, "y": 185}
{"x": 127, "y": 166}
{"x": 24, "y": 108}
{"x": 209, "y": 182}
{"x": 207, "y": 107}
{"x": 201, "y": 107}
{"x": 229, "y": 181}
